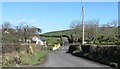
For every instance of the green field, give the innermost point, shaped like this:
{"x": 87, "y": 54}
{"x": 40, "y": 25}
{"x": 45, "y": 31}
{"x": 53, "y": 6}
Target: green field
{"x": 107, "y": 32}
{"x": 69, "y": 32}
{"x": 58, "y": 33}
{"x": 53, "y": 40}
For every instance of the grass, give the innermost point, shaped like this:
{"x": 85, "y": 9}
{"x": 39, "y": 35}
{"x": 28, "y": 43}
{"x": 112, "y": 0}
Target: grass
{"x": 30, "y": 59}
{"x": 69, "y": 32}
{"x": 52, "y": 40}
{"x": 57, "y": 33}
{"x": 8, "y": 60}
{"x": 26, "y": 59}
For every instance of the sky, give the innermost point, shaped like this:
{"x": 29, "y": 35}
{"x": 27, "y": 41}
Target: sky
{"x": 59, "y": 0}
{"x": 53, "y": 16}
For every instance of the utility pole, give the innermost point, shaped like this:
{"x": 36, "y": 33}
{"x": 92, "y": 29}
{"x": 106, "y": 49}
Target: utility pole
{"x": 82, "y": 23}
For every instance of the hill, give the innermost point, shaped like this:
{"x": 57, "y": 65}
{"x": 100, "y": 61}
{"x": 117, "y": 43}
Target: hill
{"x": 108, "y": 32}
{"x": 53, "y": 40}
{"x": 58, "y": 33}
{"x": 101, "y": 31}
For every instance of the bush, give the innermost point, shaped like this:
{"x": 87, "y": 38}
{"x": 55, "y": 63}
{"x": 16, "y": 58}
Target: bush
{"x": 85, "y": 48}
{"x": 107, "y": 54}
{"x": 72, "y": 48}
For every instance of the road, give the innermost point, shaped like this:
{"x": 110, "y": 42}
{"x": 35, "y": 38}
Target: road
{"x": 60, "y": 58}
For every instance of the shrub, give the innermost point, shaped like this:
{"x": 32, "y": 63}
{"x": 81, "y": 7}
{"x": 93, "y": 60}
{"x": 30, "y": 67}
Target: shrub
{"x": 107, "y": 54}
{"x": 85, "y": 48}
{"x": 72, "y": 48}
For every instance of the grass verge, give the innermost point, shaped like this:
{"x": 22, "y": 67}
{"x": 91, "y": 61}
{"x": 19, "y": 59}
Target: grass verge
{"x": 25, "y": 59}
{"x": 31, "y": 59}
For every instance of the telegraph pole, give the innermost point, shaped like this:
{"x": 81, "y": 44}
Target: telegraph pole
{"x": 82, "y": 23}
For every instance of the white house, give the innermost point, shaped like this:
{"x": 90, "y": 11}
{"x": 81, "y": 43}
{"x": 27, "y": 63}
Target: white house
{"x": 39, "y": 40}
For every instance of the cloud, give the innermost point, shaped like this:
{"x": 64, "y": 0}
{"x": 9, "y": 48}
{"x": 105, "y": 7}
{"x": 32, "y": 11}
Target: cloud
{"x": 21, "y": 21}
{"x": 32, "y": 21}
{"x": 10, "y": 20}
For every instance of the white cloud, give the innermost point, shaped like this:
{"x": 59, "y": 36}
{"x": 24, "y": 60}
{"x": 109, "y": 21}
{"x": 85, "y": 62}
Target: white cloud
{"x": 32, "y": 21}
{"x": 10, "y": 20}
{"x": 21, "y": 21}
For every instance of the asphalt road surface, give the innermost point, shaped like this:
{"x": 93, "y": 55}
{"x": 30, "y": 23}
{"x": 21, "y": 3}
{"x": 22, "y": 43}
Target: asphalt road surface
{"x": 60, "y": 58}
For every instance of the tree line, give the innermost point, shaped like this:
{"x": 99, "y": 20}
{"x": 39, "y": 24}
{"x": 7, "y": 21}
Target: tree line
{"x": 94, "y": 32}
{"x": 21, "y": 33}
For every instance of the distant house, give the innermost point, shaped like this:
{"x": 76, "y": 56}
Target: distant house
{"x": 39, "y": 40}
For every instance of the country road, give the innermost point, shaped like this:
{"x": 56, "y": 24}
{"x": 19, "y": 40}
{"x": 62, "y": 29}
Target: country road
{"x": 60, "y": 58}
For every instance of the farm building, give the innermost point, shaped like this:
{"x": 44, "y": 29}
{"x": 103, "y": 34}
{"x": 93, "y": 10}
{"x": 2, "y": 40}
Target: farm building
{"x": 39, "y": 40}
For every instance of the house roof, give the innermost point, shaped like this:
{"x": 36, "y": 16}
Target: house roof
{"x": 35, "y": 38}
{"x": 42, "y": 38}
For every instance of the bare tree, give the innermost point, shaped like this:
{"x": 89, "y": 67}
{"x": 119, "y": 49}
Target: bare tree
{"x": 110, "y": 31}
{"x": 77, "y": 29}
{"x": 91, "y": 29}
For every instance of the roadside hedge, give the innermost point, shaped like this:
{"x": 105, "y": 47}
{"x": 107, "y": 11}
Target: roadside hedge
{"x": 105, "y": 54}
